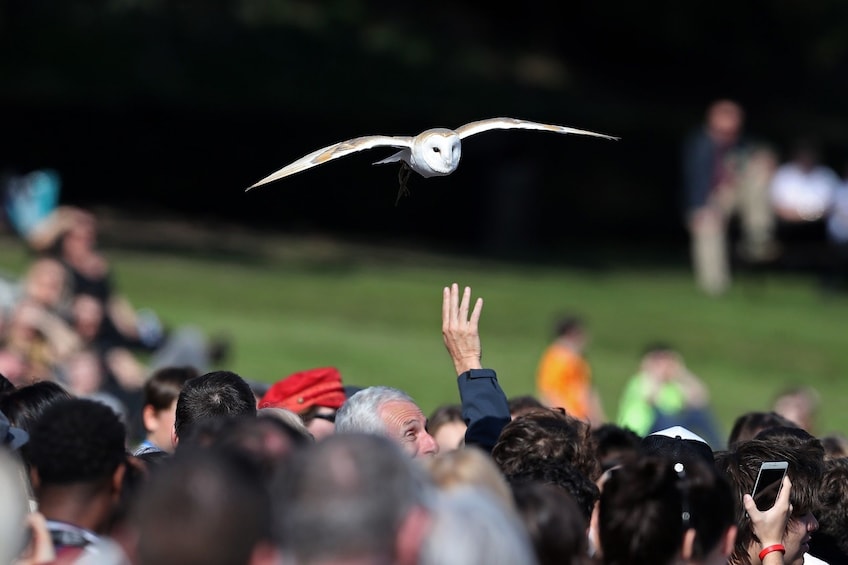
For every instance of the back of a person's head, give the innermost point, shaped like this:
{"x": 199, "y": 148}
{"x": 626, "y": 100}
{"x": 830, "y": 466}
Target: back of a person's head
{"x": 202, "y": 507}
{"x": 346, "y": 496}
{"x": 749, "y": 424}
{"x": 212, "y": 395}
{"x": 615, "y": 444}
{"x": 544, "y": 436}
{"x": 444, "y": 414}
{"x": 469, "y": 466}
{"x": 471, "y": 527}
{"x": 562, "y": 475}
{"x": 268, "y": 442}
{"x": 24, "y": 405}
{"x": 835, "y": 446}
{"x": 741, "y": 464}
{"x": 361, "y": 412}
{"x": 520, "y": 405}
{"x": 555, "y": 523}
{"x": 647, "y": 506}
{"x": 77, "y": 441}
{"x": 164, "y": 385}
{"x": 830, "y": 542}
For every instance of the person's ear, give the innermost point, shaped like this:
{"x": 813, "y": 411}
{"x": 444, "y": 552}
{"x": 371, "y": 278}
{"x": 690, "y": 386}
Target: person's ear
{"x": 411, "y": 534}
{"x": 265, "y": 553}
{"x": 148, "y": 416}
{"x": 174, "y": 438}
{"x": 34, "y": 479}
{"x": 688, "y": 544}
{"x": 728, "y": 540}
{"x": 118, "y": 480}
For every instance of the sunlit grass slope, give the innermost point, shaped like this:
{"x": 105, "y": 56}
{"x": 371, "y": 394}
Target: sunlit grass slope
{"x": 376, "y": 316}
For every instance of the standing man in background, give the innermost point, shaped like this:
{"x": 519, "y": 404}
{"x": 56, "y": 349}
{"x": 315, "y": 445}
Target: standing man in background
{"x": 724, "y": 174}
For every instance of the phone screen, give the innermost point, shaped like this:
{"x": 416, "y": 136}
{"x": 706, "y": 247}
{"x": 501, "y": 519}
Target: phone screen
{"x": 768, "y": 487}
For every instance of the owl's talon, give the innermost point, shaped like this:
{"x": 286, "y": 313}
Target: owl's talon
{"x": 403, "y": 177}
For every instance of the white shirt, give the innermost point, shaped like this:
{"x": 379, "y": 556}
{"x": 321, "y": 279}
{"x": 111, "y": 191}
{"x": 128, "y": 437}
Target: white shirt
{"x": 807, "y": 193}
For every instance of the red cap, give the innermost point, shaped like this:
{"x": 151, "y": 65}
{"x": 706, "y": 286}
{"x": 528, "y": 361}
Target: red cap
{"x": 303, "y": 390}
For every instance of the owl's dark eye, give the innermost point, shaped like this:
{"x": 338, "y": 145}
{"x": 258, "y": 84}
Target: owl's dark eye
{"x": 436, "y": 150}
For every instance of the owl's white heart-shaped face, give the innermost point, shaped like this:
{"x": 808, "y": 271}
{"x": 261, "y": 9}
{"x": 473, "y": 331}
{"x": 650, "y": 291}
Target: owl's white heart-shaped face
{"x": 436, "y": 152}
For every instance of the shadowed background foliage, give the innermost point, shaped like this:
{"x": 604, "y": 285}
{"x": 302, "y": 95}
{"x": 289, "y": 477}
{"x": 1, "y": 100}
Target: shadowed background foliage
{"x": 177, "y": 106}
{"x": 169, "y": 109}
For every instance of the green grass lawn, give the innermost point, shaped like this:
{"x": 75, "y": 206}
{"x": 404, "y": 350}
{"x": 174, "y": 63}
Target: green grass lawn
{"x": 375, "y": 314}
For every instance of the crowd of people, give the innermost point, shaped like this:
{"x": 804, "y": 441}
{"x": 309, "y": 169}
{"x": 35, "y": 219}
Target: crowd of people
{"x": 313, "y": 471}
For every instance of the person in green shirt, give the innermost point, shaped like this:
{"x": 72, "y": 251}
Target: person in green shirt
{"x": 665, "y": 393}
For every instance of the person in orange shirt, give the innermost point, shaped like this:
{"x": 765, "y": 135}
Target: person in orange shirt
{"x": 564, "y": 378}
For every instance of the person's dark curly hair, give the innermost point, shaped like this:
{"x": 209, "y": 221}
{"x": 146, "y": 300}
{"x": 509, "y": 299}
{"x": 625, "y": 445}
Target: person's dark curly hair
{"x": 584, "y": 491}
{"x": 830, "y": 542}
{"x": 546, "y": 436}
{"x": 77, "y": 441}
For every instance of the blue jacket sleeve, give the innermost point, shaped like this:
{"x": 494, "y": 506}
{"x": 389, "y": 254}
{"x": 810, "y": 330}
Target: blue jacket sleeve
{"x": 484, "y": 407}
{"x": 698, "y": 169}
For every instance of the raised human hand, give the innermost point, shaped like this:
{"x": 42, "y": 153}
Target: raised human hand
{"x": 459, "y": 331}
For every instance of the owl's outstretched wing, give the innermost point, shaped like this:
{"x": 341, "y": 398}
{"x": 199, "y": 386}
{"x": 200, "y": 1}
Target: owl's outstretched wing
{"x": 334, "y": 152}
{"x": 513, "y": 123}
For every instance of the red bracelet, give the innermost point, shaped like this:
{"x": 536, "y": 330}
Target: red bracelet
{"x": 776, "y": 547}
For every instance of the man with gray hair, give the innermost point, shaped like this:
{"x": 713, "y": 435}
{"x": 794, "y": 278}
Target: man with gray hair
{"x": 389, "y": 412}
{"x": 392, "y": 413}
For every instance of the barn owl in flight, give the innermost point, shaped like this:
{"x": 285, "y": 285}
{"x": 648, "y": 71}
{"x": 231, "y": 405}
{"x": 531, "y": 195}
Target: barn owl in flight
{"x": 432, "y": 153}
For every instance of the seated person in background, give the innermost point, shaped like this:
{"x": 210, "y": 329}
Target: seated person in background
{"x": 315, "y": 395}
{"x": 661, "y": 511}
{"x": 665, "y": 393}
{"x": 837, "y": 232}
{"x": 740, "y": 467}
{"x": 74, "y": 244}
{"x": 799, "y": 405}
{"x": 161, "y": 392}
{"x": 447, "y": 427}
{"x": 36, "y": 329}
{"x": 802, "y": 189}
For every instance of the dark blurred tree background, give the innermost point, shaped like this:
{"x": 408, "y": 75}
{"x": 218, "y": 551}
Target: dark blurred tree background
{"x": 174, "y": 107}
